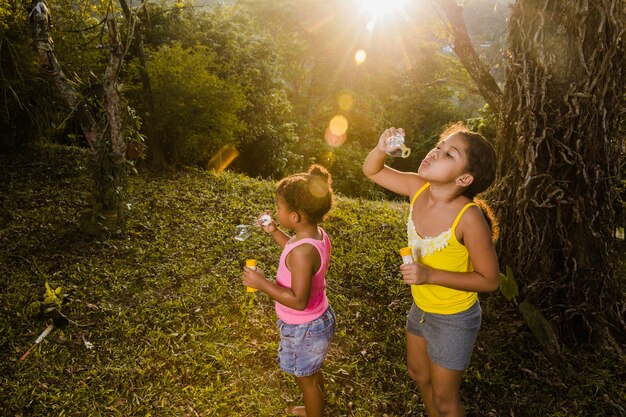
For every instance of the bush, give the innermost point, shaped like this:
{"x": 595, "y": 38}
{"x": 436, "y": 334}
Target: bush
{"x": 195, "y": 111}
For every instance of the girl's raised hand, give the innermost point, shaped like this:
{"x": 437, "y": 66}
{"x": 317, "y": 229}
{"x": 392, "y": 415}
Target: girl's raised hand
{"x": 415, "y": 274}
{"x": 267, "y": 222}
{"x": 384, "y": 137}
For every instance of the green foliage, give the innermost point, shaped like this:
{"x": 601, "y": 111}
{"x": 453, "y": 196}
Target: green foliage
{"x": 539, "y": 326}
{"x": 25, "y": 113}
{"x": 159, "y": 323}
{"x": 345, "y": 165}
{"x": 31, "y": 110}
{"x": 542, "y": 330}
{"x": 508, "y": 285}
{"x": 52, "y": 300}
{"x": 485, "y": 123}
{"x": 6, "y": 13}
{"x": 80, "y": 39}
{"x": 106, "y": 212}
{"x": 248, "y": 56}
{"x": 244, "y": 60}
{"x": 262, "y": 76}
{"x": 195, "y": 110}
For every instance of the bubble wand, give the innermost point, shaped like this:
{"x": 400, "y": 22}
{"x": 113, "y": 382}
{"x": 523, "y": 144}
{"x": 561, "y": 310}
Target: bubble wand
{"x": 42, "y": 336}
{"x": 242, "y": 231}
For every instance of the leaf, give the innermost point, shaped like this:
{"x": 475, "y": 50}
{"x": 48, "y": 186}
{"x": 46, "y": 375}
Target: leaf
{"x": 539, "y": 326}
{"x": 51, "y": 300}
{"x": 508, "y": 285}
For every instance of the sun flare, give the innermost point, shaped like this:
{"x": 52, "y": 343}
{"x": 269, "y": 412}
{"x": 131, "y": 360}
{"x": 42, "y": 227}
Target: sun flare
{"x": 377, "y": 8}
{"x": 360, "y": 56}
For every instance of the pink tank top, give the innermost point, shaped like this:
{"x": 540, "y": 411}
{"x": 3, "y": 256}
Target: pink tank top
{"x": 318, "y": 302}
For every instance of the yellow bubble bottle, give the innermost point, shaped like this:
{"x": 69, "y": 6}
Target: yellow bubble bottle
{"x": 251, "y": 263}
{"x": 407, "y": 255}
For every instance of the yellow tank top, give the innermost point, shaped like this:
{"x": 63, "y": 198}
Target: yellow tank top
{"x": 443, "y": 252}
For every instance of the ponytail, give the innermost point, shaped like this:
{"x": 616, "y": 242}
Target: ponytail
{"x": 490, "y": 217}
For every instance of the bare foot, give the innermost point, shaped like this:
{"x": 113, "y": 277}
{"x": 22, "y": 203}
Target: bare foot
{"x": 296, "y": 410}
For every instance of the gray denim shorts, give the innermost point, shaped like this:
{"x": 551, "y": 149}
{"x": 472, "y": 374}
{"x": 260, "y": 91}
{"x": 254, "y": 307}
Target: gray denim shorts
{"x": 450, "y": 337}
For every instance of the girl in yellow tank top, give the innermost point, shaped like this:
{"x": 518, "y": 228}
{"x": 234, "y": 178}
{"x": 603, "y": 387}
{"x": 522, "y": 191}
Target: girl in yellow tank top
{"x": 454, "y": 255}
{"x": 443, "y": 252}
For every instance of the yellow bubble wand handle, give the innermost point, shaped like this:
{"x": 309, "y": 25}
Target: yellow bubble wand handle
{"x": 407, "y": 255}
{"x": 251, "y": 263}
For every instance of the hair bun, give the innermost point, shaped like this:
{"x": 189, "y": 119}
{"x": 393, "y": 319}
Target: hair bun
{"x": 319, "y": 171}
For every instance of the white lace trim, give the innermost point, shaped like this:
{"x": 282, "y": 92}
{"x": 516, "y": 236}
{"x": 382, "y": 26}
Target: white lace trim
{"x": 429, "y": 245}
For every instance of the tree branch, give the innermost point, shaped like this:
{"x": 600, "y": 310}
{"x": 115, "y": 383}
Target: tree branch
{"x": 463, "y": 48}
{"x": 39, "y": 17}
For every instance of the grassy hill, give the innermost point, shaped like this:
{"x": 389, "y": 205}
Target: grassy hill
{"x": 160, "y": 325}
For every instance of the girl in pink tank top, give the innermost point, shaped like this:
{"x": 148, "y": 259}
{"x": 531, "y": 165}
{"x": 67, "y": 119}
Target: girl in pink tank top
{"x": 305, "y": 319}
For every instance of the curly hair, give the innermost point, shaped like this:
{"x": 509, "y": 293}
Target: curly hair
{"x": 308, "y": 192}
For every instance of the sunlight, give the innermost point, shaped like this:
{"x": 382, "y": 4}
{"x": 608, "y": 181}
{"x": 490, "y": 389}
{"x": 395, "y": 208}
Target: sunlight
{"x": 345, "y": 101}
{"x": 223, "y": 158}
{"x": 338, "y": 125}
{"x": 333, "y": 139}
{"x": 335, "y": 134}
{"x": 377, "y": 8}
{"x": 360, "y": 56}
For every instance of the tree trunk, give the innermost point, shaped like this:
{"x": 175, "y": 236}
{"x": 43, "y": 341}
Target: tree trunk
{"x": 108, "y": 169}
{"x": 559, "y": 161}
{"x": 42, "y": 42}
{"x": 112, "y": 99}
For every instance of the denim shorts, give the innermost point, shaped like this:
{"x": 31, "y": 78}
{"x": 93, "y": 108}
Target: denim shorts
{"x": 303, "y": 347}
{"x": 450, "y": 337}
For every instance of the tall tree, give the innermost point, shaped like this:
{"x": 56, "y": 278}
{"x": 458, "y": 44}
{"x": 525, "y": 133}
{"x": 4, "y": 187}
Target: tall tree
{"x": 42, "y": 42}
{"x": 106, "y": 134}
{"x": 559, "y": 157}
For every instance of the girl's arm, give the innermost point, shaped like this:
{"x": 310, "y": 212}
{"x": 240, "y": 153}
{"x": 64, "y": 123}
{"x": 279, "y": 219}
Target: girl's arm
{"x": 374, "y": 168}
{"x": 476, "y": 236}
{"x": 302, "y": 261}
{"x": 280, "y": 237}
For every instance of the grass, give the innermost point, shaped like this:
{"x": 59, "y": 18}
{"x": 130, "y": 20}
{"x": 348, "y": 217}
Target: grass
{"x": 161, "y": 326}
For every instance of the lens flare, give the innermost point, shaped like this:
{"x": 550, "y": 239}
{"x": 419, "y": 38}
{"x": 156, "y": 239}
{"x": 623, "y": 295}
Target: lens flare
{"x": 318, "y": 187}
{"x": 377, "y": 8}
{"x": 338, "y": 125}
{"x": 345, "y": 101}
{"x": 329, "y": 159}
{"x": 360, "y": 56}
{"x": 223, "y": 158}
{"x": 333, "y": 139}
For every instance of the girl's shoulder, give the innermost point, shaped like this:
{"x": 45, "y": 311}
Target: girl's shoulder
{"x": 304, "y": 248}
{"x": 471, "y": 221}
{"x": 308, "y": 245}
{"x": 469, "y": 212}
{"x": 303, "y": 256}
{"x": 416, "y": 186}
